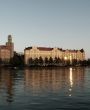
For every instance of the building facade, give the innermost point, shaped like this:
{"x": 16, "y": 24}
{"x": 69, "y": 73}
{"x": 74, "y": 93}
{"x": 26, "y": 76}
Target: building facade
{"x": 7, "y": 51}
{"x": 44, "y": 52}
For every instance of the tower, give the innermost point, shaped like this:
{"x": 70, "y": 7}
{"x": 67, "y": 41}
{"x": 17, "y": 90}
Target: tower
{"x": 10, "y": 45}
{"x": 9, "y": 39}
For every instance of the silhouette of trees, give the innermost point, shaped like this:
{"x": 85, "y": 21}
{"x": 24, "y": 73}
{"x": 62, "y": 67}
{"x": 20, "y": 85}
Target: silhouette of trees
{"x": 30, "y": 61}
{"x": 74, "y": 62}
{"x": 88, "y": 62}
{"x": 0, "y": 61}
{"x": 56, "y": 61}
{"x": 40, "y": 61}
{"x": 36, "y": 61}
{"x": 17, "y": 60}
{"x": 46, "y": 61}
{"x": 50, "y": 61}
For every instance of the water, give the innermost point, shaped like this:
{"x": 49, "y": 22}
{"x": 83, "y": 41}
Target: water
{"x": 45, "y": 89}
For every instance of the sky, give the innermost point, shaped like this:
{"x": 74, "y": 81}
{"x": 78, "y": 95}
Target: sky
{"x": 51, "y": 23}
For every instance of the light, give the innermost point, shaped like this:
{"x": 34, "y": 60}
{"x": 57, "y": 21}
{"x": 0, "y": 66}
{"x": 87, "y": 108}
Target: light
{"x": 71, "y": 77}
{"x": 71, "y": 82}
{"x": 70, "y": 57}
{"x": 70, "y": 95}
{"x": 65, "y": 58}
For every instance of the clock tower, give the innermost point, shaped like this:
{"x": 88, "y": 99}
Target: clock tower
{"x": 10, "y": 45}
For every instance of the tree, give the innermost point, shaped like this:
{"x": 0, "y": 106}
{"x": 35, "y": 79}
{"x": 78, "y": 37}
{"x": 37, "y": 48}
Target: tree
{"x": 36, "y": 62}
{"x": 17, "y": 60}
{"x": 30, "y": 61}
{"x": 0, "y": 61}
{"x": 68, "y": 62}
{"x": 46, "y": 61}
{"x": 57, "y": 61}
{"x": 50, "y": 61}
{"x": 40, "y": 61}
{"x": 88, "y": 62}
{"x": 63, "y": 61}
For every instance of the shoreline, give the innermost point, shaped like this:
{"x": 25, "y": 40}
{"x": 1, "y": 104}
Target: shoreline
{"x": 35, "y": 67}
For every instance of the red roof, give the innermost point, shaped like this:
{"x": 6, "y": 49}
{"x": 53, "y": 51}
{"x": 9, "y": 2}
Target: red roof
{"x": 45, "y": 48}
{"x": 4, "y": 47}
{"x": 50, "y": 49}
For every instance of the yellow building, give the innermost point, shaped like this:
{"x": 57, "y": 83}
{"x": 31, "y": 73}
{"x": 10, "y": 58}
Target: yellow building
{"x": 44, "y": 52}
{"x": 7, "y": 51}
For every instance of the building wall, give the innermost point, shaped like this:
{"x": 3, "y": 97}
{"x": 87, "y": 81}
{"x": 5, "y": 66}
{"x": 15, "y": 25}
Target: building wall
{"x": 55, "y": 52}
{"x": 4, "y": 55}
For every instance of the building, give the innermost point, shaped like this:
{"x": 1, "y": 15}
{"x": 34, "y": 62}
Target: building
{"x": 44, "y": 52}
{"x": 7, "y": 51}
{"x": 10, "y": 45}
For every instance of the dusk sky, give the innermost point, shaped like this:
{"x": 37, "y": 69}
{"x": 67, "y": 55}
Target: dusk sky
{"x": 50, "y": 23}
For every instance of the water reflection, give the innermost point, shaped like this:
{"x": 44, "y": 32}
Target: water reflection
{"x": 6, "y": 84}
{"x": 71, "y": 82}
{"x": 71, "y": 78}
{"x": 14, "y": 84}
{"x": 44, "y": 80}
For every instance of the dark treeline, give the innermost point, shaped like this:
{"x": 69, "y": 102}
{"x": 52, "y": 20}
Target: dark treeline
{"x": 57, "y": 62}
{"x": 18, "y": 60}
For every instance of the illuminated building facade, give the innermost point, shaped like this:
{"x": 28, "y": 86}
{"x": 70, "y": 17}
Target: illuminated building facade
{"x": 44, "y": 52}
{"x": 7, "y": 51}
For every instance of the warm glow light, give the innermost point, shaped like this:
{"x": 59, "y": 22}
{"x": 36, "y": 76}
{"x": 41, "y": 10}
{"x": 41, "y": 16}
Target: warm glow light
{"x": 71, "y": 78}
{"x": 65, "y": 58}
{"x": 70, "y": 57}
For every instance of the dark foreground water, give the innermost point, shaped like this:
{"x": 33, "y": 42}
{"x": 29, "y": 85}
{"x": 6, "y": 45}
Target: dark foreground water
{"x": 45, "y": 89}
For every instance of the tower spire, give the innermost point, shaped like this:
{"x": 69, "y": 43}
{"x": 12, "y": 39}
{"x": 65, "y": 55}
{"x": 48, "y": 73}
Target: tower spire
{"x": 9, "y": 39}
{"x": 10, "y": 45}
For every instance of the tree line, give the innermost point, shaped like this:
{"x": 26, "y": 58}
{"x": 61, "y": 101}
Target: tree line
{"x": 18, "y": 60}
{"x": 56, "y": 62}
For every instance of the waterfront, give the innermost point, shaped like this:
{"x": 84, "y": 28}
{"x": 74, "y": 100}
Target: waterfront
{"x": 45, "y": 89}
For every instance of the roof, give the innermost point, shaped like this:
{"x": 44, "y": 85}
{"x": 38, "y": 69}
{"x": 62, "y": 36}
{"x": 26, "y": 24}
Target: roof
{"x": 40, "y": 48}
{"x": 45, "y": 48}
{"x": 4, "y": 47}
{"x": 28, "y": 48}
{"x": 50, "y": 49}
{"x": 72, "y": 51}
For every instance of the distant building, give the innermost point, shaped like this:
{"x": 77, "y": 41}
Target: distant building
{"x": 7, "y": 51}
{"x": 44, "y": 52}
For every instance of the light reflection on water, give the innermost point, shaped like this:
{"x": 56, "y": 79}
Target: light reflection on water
{"x": 45, "y": 89}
